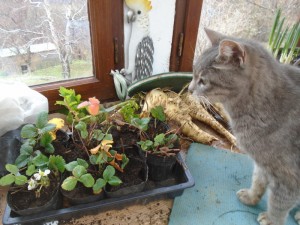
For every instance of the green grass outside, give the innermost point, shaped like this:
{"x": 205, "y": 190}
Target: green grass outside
{"x": 79, "y": 69}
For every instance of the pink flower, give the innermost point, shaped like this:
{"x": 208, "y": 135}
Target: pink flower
{"x": 93, "y": 106}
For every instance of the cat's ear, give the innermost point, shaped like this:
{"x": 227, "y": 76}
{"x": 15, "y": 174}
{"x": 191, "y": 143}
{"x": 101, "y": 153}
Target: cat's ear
{"x": 231, "y": 52}
{"x": 213, "y": 36}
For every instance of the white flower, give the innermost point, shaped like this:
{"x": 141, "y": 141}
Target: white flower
{"x": 40, "y": 174}
{"x": 32, "y": 184}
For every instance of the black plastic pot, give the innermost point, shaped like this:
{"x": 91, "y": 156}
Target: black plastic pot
{"x": 81, "y": 200}
{"x": 172, "y": 187}
{"x": 133, "y": 188}
{"x": 10, "y": 144}
{"x": 54, "y": 203}
{"x": 132, "y": 151}
{"x": 160, "y": 167}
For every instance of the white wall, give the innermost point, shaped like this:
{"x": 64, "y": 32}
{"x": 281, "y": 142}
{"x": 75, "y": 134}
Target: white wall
{"x": 161, "y": 31}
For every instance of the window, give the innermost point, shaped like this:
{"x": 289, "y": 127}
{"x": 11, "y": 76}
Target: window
{"x": 251, "y": 19}
{"x": 106, "y": 32}
{"x": 45, "y": 41}
{"x": 106, "y": 24}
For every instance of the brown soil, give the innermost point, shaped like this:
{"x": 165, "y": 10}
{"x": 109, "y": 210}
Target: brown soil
{"x": 124, "y": 135}
{"x": 79, "y": 192}
{"x": 156, "y": 127}
{"x": 67, "y": 148}
{"x": 132, "y": 175}
{"x": 127, "y": 135}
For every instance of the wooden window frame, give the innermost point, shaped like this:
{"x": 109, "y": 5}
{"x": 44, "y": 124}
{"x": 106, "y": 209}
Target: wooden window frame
{"x": 105, "y": 27}
{"x": 186, "y": 26}
{"x": 107, "y": 38}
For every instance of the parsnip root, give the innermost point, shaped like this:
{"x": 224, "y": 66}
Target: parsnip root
{"x": 182, "y": 109}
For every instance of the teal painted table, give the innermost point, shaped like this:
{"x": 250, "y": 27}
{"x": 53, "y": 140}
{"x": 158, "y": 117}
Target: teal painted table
{"x": 218, "y": 175}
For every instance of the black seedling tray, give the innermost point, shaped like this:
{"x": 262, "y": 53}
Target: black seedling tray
{"x": 170, "y": 188}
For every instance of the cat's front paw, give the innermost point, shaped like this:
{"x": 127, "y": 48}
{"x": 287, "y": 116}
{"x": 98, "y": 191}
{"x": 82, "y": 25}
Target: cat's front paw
{"x": 246, "y": 197}
{"x": 297, "y": 217}
{"x": 263, "y": 219}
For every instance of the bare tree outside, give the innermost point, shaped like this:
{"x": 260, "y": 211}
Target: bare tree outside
{"x": 44, "y": 41}
{"x": 251, "y": 19}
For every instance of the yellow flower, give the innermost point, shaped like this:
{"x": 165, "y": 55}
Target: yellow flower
{"x": 106, "y": 144}
{"x": 95, "y": 150}
{"x": 59, "y": 123}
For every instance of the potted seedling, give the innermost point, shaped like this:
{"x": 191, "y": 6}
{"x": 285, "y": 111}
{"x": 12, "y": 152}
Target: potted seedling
{"x": 161, "y": 155}
{"x": 89, "y": 141}
{"x": 93, "y": 166}
{"x": 79, "y": 186}
{"x": 35, "y": 177}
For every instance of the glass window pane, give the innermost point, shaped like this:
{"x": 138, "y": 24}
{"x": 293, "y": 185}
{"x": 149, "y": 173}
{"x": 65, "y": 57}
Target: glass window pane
{"x": 251, "y": 19}
{"x": 44, "y": 41}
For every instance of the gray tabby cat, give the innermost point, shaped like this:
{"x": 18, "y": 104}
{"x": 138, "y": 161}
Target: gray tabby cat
{"x": 262, "y": 99}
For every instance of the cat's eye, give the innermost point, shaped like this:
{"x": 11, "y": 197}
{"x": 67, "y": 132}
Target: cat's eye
{"x": 201, "y": 81}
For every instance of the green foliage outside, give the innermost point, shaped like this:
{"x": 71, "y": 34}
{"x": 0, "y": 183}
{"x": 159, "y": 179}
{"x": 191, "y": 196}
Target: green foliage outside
{"x": 79, "y": 69}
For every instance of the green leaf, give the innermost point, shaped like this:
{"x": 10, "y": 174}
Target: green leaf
{"x": 125, "y": 161}
{"x": 7, "y": 180}
{"x": 57, "y": 163}
{"x": 78, "y": 171}
{"x": 45, "y": 139}
{"x": 30, "y": 170}
{"x": 69, "y": 183}
{"x": 158, "y": 113}
{"x": 93, "y": 159}
{"x": 12, "y": 169}
{"x": 141, "y": 124}
{"x": 40, "y": 160}
{"x": 42, "y": 120}
{"x": 29, "y": 131}
{"x": 108, "y": 172}
{"x": 98, "y": 135}
{"x": 47, "y": 128}
{"x": 22, "y": 160}
{"x": 99, "y": 159}
{"x": 99, "y": 184}
{"x": 26, "y": 149}
{"x": 70, "y": 118}
{"x": 84, "y": 134}
{"x": 102, "y": 158}
{"x": 114, "y": 181}
{"x": 20, "y": 180}
{"x": 71, "y": 165}
{"x": 128, "y": 111}
{"x": 108, "y": 137}
{"x": 49, "y": 148}
{"x": 81, "y": 126}
{"x": 87, "y": 180}
{"x": 146, "y": 145}
{"x": 30, "y": 142}
{"x": 159, "y": 140}
{"x": 59, "y": 103}
{"x": 171, "y": 139}
{"x": 82, "y": 162}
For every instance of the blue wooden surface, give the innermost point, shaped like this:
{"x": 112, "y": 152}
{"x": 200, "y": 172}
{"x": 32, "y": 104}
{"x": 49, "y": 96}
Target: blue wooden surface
{"x": 218, "y": 175}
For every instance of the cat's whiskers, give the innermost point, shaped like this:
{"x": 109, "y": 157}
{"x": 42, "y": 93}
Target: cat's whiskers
{"x": 205, "y": 102}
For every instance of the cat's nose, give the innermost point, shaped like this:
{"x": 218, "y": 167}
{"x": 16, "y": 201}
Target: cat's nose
{"x": 191, "y": 87}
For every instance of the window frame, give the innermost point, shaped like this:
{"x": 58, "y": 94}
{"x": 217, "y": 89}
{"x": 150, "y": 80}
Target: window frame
{"x": 186, "y": 24}
{"x": 102, "y": 35}
{"x": 107, "y": 40}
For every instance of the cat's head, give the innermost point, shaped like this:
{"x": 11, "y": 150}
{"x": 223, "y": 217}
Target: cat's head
{"x": 224, "y": 70}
